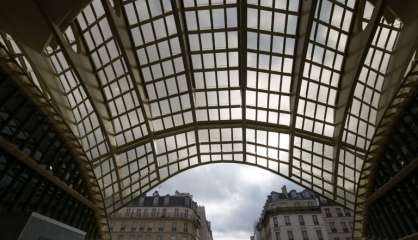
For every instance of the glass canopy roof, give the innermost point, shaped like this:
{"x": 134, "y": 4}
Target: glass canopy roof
{"x": 164, "y": 86}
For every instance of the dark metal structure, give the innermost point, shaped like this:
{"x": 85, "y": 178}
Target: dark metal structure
{"x": 37, "y": 171}
{"x": 145, "y": 89}
{"x": 392, "y": 205}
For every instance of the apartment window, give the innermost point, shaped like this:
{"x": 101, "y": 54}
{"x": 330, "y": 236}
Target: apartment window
{"x": 347, "y": 213}
{"x": 128, "y": 212}
{"x": 173, "y": 237}
{"x": 336, "y": 238}
{"x": 339, "y": 212}
{"x": 138, "y": 212}
{"x": 332, "y": 226}
{"x": 275, "y": 222}
{"x": 344, "y": 226}
{"x": 164, "y": 212}
{"x": 149, "y": 229}
{"x": 153, "y": 212}
{"x": 174, "y": 227}
{"x": 133, "y": 229}
{"x": 186, "y": 228}
{"x": 145, "y": 212}
{"x": 287, "y": 220}
{"x": 305, "y": 235}
{"x": 161, "y": 227}
{"x": 290, "y": 235}
{"x": 328, "y": 212}
{"x": 319, "y": 234}
{"x": 186, "y": 213}
{"x": 277, "y": 235}
{"x": 122, "y": 228}
{"x": 315, "y": 219}
{"x": 301, "y": 220}
{"x": 176, "y": 212}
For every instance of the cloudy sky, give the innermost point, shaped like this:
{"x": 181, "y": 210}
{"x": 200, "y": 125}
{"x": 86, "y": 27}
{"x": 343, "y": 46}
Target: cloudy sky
{"x": 232, "y": 194}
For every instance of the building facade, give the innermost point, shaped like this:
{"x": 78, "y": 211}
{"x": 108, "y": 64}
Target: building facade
{"x": 302, "y": 215}
{"x": 169, "y": 217}
{"x": 338, "y": 219}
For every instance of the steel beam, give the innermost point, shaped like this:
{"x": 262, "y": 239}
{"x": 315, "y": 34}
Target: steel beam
{"x": 306, "y": 17}
{"x": 393, "y": 181}
{"x": 406, "y": 46}
{"x": 242, "y": 63}
{"x": 32, "y": 164}
{"x": 356, "y": 53}
{"x": 120, "y": 31}
{"x": 180, "y": 19}
{"x": 227, "y": 124}
{"x": 84, "y": 70}
{"x": 50, "y": 84}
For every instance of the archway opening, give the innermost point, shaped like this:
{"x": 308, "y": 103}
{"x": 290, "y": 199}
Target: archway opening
{"x": 237, "y": 203}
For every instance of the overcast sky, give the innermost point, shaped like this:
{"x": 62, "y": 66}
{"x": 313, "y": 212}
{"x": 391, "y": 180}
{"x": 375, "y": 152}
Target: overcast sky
{"x": 232, "y": 194}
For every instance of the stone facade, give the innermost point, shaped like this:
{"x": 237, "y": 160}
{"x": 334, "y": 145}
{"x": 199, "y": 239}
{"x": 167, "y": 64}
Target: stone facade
{"x": 302, "y": 216}
{"x": 338, "y": 219}
{"x": 169, "y": 217}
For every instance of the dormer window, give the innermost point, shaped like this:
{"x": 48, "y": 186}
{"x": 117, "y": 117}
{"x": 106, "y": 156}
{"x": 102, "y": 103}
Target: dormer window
{"x": 155, "y": 201}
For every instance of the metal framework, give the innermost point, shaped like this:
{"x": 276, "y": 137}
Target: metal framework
{"x": 387, "y": 125}
{"x": 151, "y": 88}
{"x": 43, "y": 166}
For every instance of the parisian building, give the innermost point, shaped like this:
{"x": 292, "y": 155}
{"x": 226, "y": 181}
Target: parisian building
{"x": 168, "y": 217}
{"x": 302, "y": 215}
{"x": 338, "y": 219}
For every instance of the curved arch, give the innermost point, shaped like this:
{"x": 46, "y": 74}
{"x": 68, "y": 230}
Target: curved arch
{"x": 168, "y": 73}
{"x": 216, "y": 163}
{"x": 406, "y": 92}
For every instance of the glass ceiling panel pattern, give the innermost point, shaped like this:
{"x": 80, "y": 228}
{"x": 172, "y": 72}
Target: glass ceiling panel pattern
{"x": 361, "y": 120}
{"x": 323, "y": 66}
{"x": 271, "y": 33}
{"x": 115, "y": 82}
{"x": 313, "y": 165}
{"x": 157, "y": 46}
{"x": 185, "y": 108}
{"x": 212, "y": 32}
{"x": 89, "y": 132}
{"x": 348, "y": 174}
{"x": 137, "y": 171}
{"x": 175, "y": 153}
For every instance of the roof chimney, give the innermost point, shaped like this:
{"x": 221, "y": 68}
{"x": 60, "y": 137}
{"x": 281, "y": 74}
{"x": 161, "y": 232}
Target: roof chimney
{"x": 284, "y": 189}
